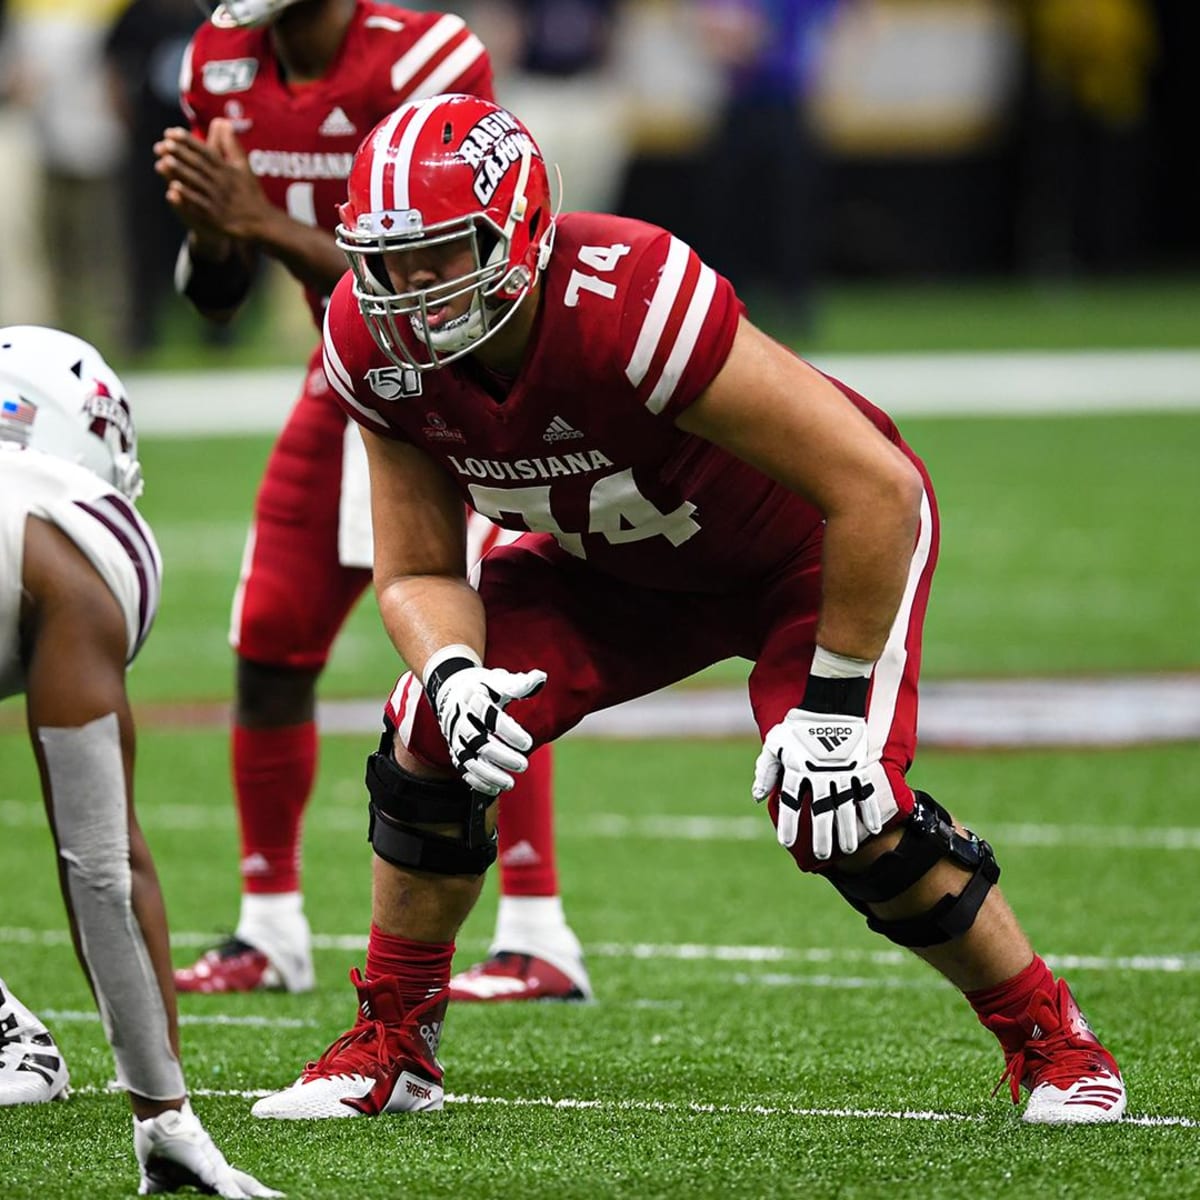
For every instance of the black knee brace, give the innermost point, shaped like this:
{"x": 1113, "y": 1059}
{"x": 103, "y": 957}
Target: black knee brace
{"x": 402, "y": 802}
{"x": 928, "y": 837}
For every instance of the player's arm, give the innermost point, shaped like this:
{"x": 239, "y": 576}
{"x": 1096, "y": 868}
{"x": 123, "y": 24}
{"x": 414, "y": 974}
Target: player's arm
{"x": 420, "y": 553}
{"x": 436, "y": 619}
{"x": 782, "y": 416}
{"x": 74, "y": 647}
{"x": 230, "y": 220}
{"x": 785, "y": 418}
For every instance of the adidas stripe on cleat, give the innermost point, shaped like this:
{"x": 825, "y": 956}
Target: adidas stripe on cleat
{"x": 385, "y": 1064}
{"x": 1071, "y": 1078}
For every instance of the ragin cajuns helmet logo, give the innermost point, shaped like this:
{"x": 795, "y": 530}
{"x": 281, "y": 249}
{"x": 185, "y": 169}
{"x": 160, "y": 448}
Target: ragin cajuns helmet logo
{"x": 106, "y": 410}
{"x": 491, "y": 146}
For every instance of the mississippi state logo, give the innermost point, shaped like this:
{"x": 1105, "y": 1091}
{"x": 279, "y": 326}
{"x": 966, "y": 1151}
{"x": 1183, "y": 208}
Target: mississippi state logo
{"x": 109, "y": 412}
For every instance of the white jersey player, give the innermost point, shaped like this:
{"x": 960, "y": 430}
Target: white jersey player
{"x": 79, "y": 583}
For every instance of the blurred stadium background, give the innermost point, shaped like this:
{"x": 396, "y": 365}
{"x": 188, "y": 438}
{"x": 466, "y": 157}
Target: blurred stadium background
{"x": 983, "y": 214}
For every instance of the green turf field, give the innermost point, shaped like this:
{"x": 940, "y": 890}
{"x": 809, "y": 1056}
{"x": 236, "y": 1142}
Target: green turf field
{"x": 848, "y": 317}
{"x": 1064, "y": 550}
{"x": 751, "y": 1037}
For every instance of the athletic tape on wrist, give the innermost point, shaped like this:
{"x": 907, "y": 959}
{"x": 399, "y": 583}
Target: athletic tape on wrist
{"x": 831, "y": 665}
{"x": 443, "y": 663}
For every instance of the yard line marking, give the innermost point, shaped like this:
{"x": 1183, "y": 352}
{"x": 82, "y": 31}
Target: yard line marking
{"x": 662, "y": 827}
{"x": 835, "y": 982}
{"x": 666, "y": 1107}
{"x": 90, "y": 1016}
{"x": 23, "y": 814}
{"x": 1030, "y": 383}
{"x": 1170, "y": 964}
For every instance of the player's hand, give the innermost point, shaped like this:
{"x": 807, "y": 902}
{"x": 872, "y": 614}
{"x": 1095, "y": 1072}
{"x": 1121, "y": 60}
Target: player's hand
{"x": 827, "y": 764}
{"x": 174, "y": 1151}
{"x": 209, "y": 182}
{"x": 486, "y": 745}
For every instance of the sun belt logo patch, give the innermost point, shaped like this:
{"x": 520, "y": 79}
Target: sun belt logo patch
{"x": 492, "y": 146}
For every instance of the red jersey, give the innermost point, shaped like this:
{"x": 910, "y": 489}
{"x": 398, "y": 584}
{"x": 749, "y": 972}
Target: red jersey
{"x": 584, "y": 445}
{"x": 301, "y": 138}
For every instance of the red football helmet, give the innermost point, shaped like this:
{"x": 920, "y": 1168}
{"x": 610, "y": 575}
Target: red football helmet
{"x": 450, "y": 169}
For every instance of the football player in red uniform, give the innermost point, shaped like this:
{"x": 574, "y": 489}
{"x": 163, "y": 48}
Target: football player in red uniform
{"x": 280, "y": 93}
{"x": 691, "y": 491}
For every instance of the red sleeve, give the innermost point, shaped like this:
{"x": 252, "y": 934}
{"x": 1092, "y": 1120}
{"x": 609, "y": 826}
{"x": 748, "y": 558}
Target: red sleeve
{"x": 348, "y": 353}
{"x": 445, "y": 57}
{"x": 189, "y": 95}
{"x": 677, "y": 326}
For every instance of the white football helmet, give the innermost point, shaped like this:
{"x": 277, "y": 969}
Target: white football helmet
{"x": 241, "y": 14}
{"x": 59, "y": 396}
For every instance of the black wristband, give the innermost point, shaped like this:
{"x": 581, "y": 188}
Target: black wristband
{"x": 845, "y": 696}
{"x": 212, "y": 286}
{"x": 442, "y": 672}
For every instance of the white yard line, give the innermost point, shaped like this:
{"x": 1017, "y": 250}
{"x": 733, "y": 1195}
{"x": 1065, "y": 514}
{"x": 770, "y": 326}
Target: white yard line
{"x": 1016, "y": 383}
{"x": 90, "y": 1016}
{"x": 697, "y": 1109}
{"x": 659, "y": 827}
{"x": 1169, "y": 964}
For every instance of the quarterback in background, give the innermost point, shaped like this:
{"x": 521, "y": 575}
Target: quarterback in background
{"x": 722, "y": 498}
{"x": 80, "y": 576}
{"x": 279, "y": 94}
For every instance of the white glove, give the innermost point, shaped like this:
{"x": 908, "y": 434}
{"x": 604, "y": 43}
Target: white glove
{"x": 486, "y": 744}
{"x": 826, "y": 761}
{"x": 174, "y": 1151}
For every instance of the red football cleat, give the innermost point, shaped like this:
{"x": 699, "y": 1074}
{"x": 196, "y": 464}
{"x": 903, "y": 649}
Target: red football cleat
{"x": 509, "y": 976}
{"x": 1070, "y": 1077}
{"x": 386, "y": 1063}
{"x": 233, "y": 966}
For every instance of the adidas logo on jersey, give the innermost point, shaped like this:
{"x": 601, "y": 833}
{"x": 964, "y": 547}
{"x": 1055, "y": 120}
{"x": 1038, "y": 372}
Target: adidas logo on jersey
{"x": 560, "y": 431}
{"x": 337, "y": 124}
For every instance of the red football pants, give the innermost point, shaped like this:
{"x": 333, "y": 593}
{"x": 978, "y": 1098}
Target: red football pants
{"x": 602, "y": 641}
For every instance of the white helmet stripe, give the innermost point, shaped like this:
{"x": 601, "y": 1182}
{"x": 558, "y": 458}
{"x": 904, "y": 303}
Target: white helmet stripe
{"x": 450, "y": 70}
{"x": 406, "y": 68}
{"x": 404, "y": 152}
{"x": 380, "y": 158}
